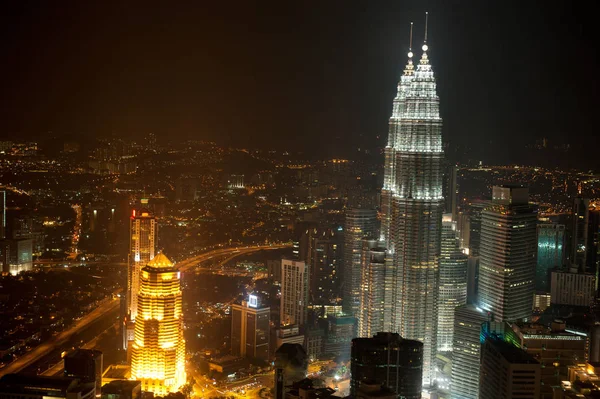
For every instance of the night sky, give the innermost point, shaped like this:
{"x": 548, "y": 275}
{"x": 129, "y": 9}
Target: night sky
{"x": 308, "y": 75}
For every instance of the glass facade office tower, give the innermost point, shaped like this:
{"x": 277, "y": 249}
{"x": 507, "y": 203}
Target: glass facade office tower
{"x": 158, "y": 351}
{"x": 412, "y": 206}
{"x": 359, "y": 224}
{"x": 508, "y": 254}
{"x": 466, "y": 343}
{"x": 551, "y": 238}
{"x": 376, "y": 290}
{"x": 389, "y": 360}
{"x": 453, "y": 283}
{"x": 143, "y": 242}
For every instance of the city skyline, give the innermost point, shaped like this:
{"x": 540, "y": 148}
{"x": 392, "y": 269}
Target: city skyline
{"x": 217, "y": 211}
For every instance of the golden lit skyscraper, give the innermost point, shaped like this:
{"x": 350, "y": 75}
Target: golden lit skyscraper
{"x": 158, "y": 351}
{"x": 143, "y": 232}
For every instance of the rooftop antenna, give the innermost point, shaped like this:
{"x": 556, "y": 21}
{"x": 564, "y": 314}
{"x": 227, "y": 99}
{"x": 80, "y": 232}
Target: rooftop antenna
{"x": 426, "y": 18}
{"x": 410, "y": 53}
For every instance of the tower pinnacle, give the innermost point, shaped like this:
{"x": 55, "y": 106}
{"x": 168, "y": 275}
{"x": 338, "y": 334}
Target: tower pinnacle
{"x": 409, "y": 69}
{"x": 424, "y": 59}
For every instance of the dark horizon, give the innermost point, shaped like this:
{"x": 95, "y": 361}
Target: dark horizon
{"x": 313, "y": 77}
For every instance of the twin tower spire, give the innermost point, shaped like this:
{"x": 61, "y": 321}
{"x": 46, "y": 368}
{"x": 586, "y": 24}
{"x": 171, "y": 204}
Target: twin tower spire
{"x": 409, "y": 70}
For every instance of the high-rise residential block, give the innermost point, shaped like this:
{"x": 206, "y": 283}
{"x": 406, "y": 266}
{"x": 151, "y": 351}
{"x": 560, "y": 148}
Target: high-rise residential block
{"x": 390, "y": 361}
{"x": 508, "y": 254}
{"x": 325, "y": 267}
{"x": 250, "y": 329}
{"x": 359, "y": 224}
{"x": 158, "y": 351}
{"x": 550, "y": 252}
{"x": 452, "y": 285}
{"x": 294, "y": 292}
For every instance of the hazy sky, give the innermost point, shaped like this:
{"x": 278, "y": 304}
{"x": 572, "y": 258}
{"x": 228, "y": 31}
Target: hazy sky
{"x": 315, "y": 75}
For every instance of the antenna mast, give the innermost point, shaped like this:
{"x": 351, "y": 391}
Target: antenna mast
{"x": 426, "y": 18}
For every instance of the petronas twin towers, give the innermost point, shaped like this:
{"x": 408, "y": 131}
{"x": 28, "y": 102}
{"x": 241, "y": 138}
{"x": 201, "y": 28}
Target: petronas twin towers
{"x": 412, "y": 206}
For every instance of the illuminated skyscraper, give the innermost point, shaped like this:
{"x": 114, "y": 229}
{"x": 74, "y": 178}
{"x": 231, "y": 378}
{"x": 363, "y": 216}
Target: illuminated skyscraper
{"x": 508, "y": 254}
{"x": 468, "y": 320}
{"x": 453, "y": 283}
{"x": 294, "y": 292}
{"x": 359, "y": 224}
{"x": 376, "y": 290}
{"x": 158, "y": 351}
{"x": 142, "y": 248}
{"x": 412, "y": 203}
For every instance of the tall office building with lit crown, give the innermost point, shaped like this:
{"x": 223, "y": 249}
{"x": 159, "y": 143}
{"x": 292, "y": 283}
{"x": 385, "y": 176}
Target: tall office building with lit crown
{"x": 158, "y": 351}
{"x": 412, "y": 204}
{"x": 143, "y": 242}
{"x": 508, "y": 254}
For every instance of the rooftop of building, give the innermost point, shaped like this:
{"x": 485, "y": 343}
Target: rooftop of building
{"x": 386, "y": 338}
{"x": 511, "y": 353}
{"x": 116, "y": 372}
{"x": 342, "y": 319}
{"x": 83, "y": 353}
{"x": 35, "y": 382}
{"x": 117, "y": 386}
{"x": 160, "y": 261}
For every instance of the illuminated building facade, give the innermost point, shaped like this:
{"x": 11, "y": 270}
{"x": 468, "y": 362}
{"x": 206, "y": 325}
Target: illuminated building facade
{"x": 294, "y": 292}
{"x": 325, "y": 267}
{"x": 142, "y": 248}
{"x": 412, "y": 206}
{"x": 508, "y": 254}
{"x": 376, "y": 290}
{"x": 551, "y": 237}
{"x": 158, "y": 351}
{"x": 466, "y": 342}
{"x": 359, "y": 224}
{"x": 453, "y": 283}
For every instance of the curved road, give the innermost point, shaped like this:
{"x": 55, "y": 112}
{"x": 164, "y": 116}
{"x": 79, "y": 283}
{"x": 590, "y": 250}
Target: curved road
{"x": 110, "y": 304}
{"x": 28, "y": 358}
